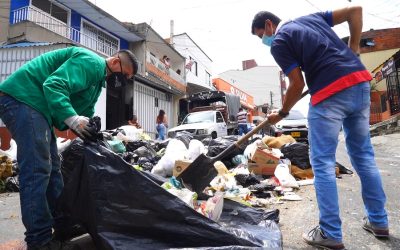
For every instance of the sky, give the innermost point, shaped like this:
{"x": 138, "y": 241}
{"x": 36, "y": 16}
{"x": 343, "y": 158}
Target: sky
{"x": 222, "y": 28}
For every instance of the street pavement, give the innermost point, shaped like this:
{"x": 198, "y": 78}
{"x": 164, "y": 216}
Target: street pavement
{"x": 296, "y": 216}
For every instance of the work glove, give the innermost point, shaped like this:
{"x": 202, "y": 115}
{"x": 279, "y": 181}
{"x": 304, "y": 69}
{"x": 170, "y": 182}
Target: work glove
{"x": 81, "y": 127}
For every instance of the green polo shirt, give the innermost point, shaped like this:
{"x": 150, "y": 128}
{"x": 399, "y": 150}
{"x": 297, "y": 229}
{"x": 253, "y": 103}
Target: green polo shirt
{"x": 59, "y": 84}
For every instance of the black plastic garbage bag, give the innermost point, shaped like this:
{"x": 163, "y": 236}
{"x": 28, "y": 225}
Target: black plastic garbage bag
{"x": 122, "y": 208}
{"x": 297, "y": 153}
{"x": 132, "y": 146}
{"x": 145, "y": 151}
{"x": 216, "y": 146}
{"x": 185, "y": 137}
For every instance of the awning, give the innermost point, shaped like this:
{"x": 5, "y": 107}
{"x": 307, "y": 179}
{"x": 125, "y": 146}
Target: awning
{"x": 101, "y": 18}
{"x": 195, "y": 88}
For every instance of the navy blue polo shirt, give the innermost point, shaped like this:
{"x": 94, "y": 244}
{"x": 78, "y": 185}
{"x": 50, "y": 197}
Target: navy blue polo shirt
{"x": 329, "y": 64}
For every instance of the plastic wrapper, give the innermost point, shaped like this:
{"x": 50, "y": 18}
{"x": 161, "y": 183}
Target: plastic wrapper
{"x": 12, "y": 151}
{"x": 176, "y": 150}
{"x": 122, "y": 208}
{"x": 131, "y": 133}
{"x": 117, "y": 146}
{"x": 196, "y": 148}
{"x": 282, "y": 172}
{"x": 62, "y": 144}
{"x": 212, "y": 208}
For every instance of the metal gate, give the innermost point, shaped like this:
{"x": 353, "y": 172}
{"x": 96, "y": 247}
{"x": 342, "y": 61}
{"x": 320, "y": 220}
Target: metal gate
{"x": 393, "y": 91}
{"x": 147, "y": 102}
{"x": 12, "y": 57}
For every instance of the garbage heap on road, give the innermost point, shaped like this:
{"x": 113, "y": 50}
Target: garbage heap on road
{"x": 125, "y": 191}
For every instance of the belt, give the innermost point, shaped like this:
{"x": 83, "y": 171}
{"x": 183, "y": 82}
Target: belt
{"x": 2, "y": 93}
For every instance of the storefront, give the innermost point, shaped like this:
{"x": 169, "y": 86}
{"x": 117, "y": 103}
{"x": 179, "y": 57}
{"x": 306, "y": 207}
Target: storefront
{"x": 385, "y": 90}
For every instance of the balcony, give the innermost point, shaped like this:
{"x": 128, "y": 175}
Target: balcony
{"x": 45, "y": 20}
{"x": 157, "y": 68}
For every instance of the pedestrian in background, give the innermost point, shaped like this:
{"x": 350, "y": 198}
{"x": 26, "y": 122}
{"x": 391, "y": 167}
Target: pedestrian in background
{"x": 133, "y": 121}
{"x": 57, "y": 89}
{"x": 161, "y": 125}
{"x": 242, "y": 121}
{"x": 340, "y": 95}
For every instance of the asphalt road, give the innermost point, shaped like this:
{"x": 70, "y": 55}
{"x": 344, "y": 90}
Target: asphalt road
{"x": 297, "y": 216}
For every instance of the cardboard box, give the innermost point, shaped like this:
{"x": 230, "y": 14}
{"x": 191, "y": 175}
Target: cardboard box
{"x": 180, "y": 166}
{"x": 264, "y": 163}
{"x": 262, "y": 169}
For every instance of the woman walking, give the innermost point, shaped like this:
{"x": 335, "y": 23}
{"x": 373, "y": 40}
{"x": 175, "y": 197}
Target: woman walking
{"x": 161, "y": 125}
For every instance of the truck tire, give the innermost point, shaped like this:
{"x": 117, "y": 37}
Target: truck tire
{"x": 214, "y": 135}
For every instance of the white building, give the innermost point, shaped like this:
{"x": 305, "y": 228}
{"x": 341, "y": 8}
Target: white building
{"x": 198, "y": 63}
{"x": 261, "y": 82}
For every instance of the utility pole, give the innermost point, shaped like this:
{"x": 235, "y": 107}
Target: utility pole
{"x": 171, "y": 34}
{"x": 272, "y": 103}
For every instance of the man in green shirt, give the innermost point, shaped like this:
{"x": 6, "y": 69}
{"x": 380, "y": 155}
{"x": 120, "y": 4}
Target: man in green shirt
{"x": 57, "y": 89}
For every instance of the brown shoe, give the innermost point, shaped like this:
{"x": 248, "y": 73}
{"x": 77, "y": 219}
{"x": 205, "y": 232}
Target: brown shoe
{"x": 379, "y": 232}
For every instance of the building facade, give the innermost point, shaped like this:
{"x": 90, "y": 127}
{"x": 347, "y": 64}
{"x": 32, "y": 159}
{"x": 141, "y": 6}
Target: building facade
{"x": 198, "y": 66}
{"x": 261, "y": 82}
{"x": 379, "y": 53}
{"x": 37, "y": 26}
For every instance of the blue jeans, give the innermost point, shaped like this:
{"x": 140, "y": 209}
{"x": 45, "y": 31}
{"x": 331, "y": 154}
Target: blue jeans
{"x": 161, "y": 130}
{"x": 242, "y": 129}
{"x": 40, "y": 177}
{"x": 350, "y": 108}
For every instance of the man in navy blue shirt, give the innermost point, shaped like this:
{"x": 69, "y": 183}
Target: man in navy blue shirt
{"x": 340, "y": 96}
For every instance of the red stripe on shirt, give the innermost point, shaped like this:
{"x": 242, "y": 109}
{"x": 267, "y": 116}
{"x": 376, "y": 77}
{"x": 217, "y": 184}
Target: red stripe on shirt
{"x": 340, "y": 84}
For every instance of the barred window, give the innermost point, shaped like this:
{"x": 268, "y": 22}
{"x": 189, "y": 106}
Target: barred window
{"x": 98, "y": 40}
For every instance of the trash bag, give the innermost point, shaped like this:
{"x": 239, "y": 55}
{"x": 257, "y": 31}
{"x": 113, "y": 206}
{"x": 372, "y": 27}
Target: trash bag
{"x": 122, "y": 208}
{"x": 298, "y": 154}
{"x": 247, "y": 179}
{"x": 145, "y": 151}
{"x": 196, "y": 148}
{"x": 117, "y": 146}
{"x": 12, "y": 184}
{"x": 176, "y": 150}
{"x": 132, "y": 146}
{"x": 216, "y": 146}
{"x": 185, "y": 137}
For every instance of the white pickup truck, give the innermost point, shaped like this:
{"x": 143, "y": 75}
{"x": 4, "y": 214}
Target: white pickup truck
{"x": 202, "y": 124}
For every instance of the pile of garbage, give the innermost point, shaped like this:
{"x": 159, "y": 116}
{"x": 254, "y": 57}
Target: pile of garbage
{"x": 126, "y": 190}
{"x": 261, "y": 172}
{"x": 9, "y": 169}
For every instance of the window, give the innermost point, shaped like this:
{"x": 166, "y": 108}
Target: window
{"x": 194, "y": 66}
{"x": 219, "y": 117}
{"x": 54, "y": 10}
{"x": 383, "y": 103}
{"x": 95, "y": 39}
{"x": 156, "y": 102}
{"x": 208, "y": 79}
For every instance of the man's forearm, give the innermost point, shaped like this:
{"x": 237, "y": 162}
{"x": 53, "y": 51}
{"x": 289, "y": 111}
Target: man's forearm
{"x": 294, "y": 91}
{"x": 355, "y": 27}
